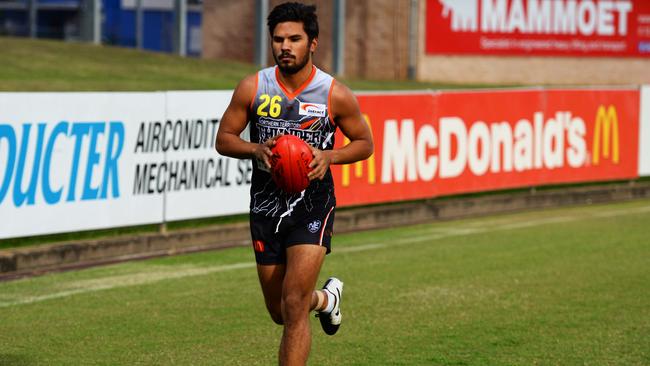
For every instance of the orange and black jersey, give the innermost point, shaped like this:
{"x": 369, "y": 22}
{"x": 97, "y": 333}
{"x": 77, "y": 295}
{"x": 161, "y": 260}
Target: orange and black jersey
{"x": 304, "y": 113}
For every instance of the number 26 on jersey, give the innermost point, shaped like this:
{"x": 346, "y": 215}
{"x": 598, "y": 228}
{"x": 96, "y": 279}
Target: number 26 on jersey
{"x": 273, "y": 104}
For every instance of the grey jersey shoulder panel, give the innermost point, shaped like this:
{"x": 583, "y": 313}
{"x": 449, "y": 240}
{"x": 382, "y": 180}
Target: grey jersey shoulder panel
{"x": 306, "y": 115}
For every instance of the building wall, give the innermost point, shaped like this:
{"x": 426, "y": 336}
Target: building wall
{"x": 228, "y": 29}
{"x": 377, "y": 39}
{"x": 376, "y": 47}
{"x": 376, "y": 35}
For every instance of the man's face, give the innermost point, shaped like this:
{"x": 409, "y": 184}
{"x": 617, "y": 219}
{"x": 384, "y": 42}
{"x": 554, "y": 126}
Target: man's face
{"x": 291, "y": 47}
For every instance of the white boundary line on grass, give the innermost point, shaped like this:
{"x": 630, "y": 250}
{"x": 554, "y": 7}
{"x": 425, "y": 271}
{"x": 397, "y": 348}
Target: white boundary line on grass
{"x": 145, "y": 278}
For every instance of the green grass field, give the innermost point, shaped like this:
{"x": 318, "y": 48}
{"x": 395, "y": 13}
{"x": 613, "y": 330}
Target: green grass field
{"x": 42, "y": 65}
{"x": 554, "y": 287}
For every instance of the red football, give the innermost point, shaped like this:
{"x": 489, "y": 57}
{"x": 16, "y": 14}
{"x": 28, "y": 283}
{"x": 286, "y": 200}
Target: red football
{"x": 290, "y": 163}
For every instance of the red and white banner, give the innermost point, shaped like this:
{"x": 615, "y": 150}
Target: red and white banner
{"x": 539, "y": 27}
{"x": 432, "y": 144}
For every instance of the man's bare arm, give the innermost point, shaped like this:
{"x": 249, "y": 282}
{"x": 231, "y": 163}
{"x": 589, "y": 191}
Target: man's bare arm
{"x": 346, "y": 113}
{"x": 233, "y": 123}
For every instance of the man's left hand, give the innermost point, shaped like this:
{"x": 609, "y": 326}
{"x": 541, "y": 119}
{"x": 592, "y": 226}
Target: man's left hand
{"x": 319, "y": 164}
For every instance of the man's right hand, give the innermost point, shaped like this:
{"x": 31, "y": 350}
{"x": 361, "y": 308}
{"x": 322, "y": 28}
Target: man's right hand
{"x": 263, "y": 152}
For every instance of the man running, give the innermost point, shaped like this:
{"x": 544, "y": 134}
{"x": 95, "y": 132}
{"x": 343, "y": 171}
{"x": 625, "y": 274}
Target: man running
{"x": 292, "y": 233}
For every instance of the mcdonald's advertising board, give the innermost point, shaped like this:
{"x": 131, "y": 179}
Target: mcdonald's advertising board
{"x": 432, "y": 144}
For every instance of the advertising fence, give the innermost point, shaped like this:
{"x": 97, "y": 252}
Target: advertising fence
{"x": 432, "y": 144}
{"x": 539, "y": 27}
{"x": 82, "y": 161}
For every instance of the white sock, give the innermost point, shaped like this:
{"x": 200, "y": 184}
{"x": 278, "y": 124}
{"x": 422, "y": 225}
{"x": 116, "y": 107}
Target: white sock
{"x": 330, "y": 302}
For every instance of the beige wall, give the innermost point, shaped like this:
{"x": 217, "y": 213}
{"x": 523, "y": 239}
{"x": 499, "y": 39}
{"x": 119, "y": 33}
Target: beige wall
{"x": 228, "y": 30}
{"x": 528, "y": 70}
{"x": 534, "y": 70}
{"x": 376, "y": 35}
{"x": 377, "y": 39}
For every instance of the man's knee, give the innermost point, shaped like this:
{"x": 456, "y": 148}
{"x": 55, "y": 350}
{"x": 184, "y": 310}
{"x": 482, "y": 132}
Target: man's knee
{"x": 276, "y": 313}
{"x": 295, "y": 303}
{"x": 277, "y": 318}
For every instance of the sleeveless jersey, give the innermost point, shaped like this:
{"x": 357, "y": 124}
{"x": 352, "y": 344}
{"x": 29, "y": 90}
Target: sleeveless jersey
{"x": 304, "y": 113}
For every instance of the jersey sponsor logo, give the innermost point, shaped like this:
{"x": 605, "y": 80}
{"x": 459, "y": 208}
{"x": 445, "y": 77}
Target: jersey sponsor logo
{"x": 312, "y": 109}
{"x": 314, "y": 226}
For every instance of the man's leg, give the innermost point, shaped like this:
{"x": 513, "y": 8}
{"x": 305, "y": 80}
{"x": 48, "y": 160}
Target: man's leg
{"x": 302, "y": 268}
{"x": 271, "y": 278}
{"x": 329, "y": 313}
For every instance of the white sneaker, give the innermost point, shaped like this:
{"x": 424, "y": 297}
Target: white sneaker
{"x": 332, "y": 320}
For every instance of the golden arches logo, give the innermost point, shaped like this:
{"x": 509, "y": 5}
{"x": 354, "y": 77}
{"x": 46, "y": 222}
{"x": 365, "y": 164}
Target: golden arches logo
{"x": 358, "y": 166}
{"x": 606, "y": 125}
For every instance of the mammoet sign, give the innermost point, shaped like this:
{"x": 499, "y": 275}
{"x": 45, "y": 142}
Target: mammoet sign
{"x": 539, "y": 27}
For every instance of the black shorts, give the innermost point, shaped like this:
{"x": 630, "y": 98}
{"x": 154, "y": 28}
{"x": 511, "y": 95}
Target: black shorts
{"x": 273, "y": 235}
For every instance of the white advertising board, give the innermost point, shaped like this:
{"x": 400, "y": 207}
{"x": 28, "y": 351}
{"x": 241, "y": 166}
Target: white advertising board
{"x": 82, "y": 161}
{"x": 644, "y": 132}
{"x": 66, "y": 161}
{"x": 215, "y": 185}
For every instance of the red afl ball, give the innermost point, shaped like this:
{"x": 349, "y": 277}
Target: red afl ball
{"x": 290, "y": 163}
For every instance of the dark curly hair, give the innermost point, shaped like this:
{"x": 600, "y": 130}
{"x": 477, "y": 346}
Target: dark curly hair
{"x": 295, "y": 12}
